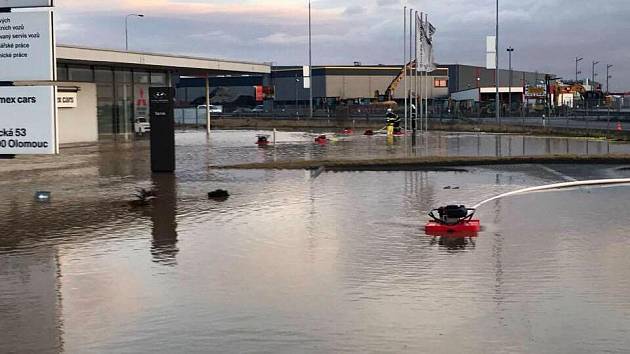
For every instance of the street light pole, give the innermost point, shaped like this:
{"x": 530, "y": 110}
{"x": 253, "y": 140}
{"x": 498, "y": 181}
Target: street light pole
{"x": 608, "y": 77}
{"x": 577, "y": 70}
{"x": 310, "y": 60}
{"x": 594, "y": 74}
{"x": 510, "y": 51}
{"x": 127, "y": 29}
{"x": 498, "y": 98}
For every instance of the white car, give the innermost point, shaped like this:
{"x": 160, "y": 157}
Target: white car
{"x": 213, "y": 108}
{"x": 141, "y": 126}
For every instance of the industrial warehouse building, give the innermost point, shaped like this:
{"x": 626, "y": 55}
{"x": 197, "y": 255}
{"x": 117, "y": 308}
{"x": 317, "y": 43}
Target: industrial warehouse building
{"x": 356, "y": 84}
{"x": 332, "y": 85}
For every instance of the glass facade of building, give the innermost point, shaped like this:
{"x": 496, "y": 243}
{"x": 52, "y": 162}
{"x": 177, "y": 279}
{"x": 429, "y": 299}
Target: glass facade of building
{"x": 122, "y": 93}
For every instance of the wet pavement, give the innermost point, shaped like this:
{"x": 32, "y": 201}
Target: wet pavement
{"x": 296, "y": 264}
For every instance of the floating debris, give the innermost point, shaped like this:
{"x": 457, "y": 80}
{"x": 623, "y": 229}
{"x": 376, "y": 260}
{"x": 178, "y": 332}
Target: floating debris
{"x": 43, "y": 197}
{"x": 219, "y": 195}
{"x": 144, "y": 197}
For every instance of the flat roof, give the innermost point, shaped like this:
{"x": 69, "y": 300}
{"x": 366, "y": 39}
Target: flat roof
{"x": 350, "y": 70}
{"x": 184, "y": 65}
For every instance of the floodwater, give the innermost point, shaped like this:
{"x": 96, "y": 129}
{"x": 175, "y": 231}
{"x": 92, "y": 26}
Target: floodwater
{"x": 296, "y": 264}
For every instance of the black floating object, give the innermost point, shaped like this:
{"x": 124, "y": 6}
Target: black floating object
{"x": 455, "y": 187}
{"x": 43, "y": 197}
{"x": 219, "y": 194}
{"x": 143, "y": 198}
{"x": 447, "y": 187}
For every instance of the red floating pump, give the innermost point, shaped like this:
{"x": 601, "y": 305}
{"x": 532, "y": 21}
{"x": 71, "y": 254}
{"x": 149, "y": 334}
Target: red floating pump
{"x": 453, "y": 219}
{"x": 322, "y": 139}
{"x": 263, "y": 140}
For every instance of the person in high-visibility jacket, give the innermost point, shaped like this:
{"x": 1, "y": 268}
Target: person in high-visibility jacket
{"x": 393, "y": 122}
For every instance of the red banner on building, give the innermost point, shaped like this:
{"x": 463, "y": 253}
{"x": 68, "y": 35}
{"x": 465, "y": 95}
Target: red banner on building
{"x": 259, "y": 94}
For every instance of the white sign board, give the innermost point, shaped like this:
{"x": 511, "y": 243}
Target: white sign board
{"x": 491, "y": 60}
{"x": 491, "y": 44}
{"x": 26, "y": 126}
{"x": 25, "y": 3}
{"x": 26, "y": 46}
{"x": 491, "y": 52}
{"x": 306, "y": 71}
{"x": 307, "y": 82}
{"x": 67, "y": 100}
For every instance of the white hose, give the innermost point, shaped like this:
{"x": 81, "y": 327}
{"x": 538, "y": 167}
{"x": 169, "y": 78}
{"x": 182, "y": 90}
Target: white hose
{"x": 597, "y": 182}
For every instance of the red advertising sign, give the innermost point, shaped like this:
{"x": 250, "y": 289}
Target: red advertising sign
{"x": 259, "y": 93}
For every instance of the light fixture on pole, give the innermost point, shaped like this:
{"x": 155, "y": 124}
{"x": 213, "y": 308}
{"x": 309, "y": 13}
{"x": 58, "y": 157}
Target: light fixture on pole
{"x": 577, "y": 70}
{"x": 127, "y": 29}
{"x": 510, "y": 50}
{"x": 608, "y": 77}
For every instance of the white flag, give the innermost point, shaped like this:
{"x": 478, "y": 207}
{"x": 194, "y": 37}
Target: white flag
{"x": 426, "y": 59}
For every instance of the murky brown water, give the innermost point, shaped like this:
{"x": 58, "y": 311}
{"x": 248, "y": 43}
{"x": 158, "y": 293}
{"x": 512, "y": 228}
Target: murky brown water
{"x": 292, "y": 264}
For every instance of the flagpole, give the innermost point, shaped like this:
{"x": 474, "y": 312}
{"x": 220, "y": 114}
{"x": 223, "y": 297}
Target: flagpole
{"x": 411, "y": 67}
{"x": 417, "y": 66}
{"x": 426, "y": 82}
{"x": 421, "y": 73}
{"x": 405, "y": 62}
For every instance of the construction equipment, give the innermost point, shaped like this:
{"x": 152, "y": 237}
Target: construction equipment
{"x": 393, "y": 86}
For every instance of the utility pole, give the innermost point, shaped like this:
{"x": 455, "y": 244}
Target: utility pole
{"x": 608, "y": 77}
{"x": 577, "y": 70}
{"x": 510, "y": 50}
{"x": 498, "y": 98}
{"x": 594, "y": 74}
{"x": 310, "y": 60}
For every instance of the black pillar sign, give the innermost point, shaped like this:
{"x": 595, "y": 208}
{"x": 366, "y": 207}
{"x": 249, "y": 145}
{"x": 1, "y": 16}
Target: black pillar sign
{"x": 162, "y": 129}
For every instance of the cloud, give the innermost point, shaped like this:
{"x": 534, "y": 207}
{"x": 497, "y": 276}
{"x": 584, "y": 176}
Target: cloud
{"x": 354, "y": 10}
{"x": 547, "y": 35}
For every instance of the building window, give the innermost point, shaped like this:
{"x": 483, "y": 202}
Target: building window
{"x": 123, "y": 76}
{"x": 62, "y": 72}
{"x": 437, "y": 82}
{"x": 80, "y": 73}
{"x": 103, "y": 74}
{"x": 158, "y": 79}
{"x": 141, "y": 77}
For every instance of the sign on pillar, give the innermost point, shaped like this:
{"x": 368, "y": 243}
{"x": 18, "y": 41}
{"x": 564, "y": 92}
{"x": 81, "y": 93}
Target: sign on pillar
{"x": 162, "y": 129}
{"x": 28, "y": 114}
{"x": 26, "y": 46}
{"x": 26, "y": 125}
{"x": 25, "y": 3}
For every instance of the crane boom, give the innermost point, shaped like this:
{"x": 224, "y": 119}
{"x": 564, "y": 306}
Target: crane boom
{"x": 393, "y": 86}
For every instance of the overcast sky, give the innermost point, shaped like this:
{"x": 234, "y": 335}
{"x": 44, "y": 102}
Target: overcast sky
{"x": 547, "y": 34}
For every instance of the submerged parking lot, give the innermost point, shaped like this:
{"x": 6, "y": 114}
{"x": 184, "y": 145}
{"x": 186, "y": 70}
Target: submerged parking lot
{"x": 296, "y": 262}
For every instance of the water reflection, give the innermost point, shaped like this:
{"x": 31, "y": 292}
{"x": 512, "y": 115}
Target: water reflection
{"x": 164, "y": 220}
{"x": 454, "y": 242}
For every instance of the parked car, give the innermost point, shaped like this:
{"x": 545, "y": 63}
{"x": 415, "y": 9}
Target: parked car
{"x": 213, "y": 108}
{"x": 259, "y": 109}
{"x": 141, "y": 126}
